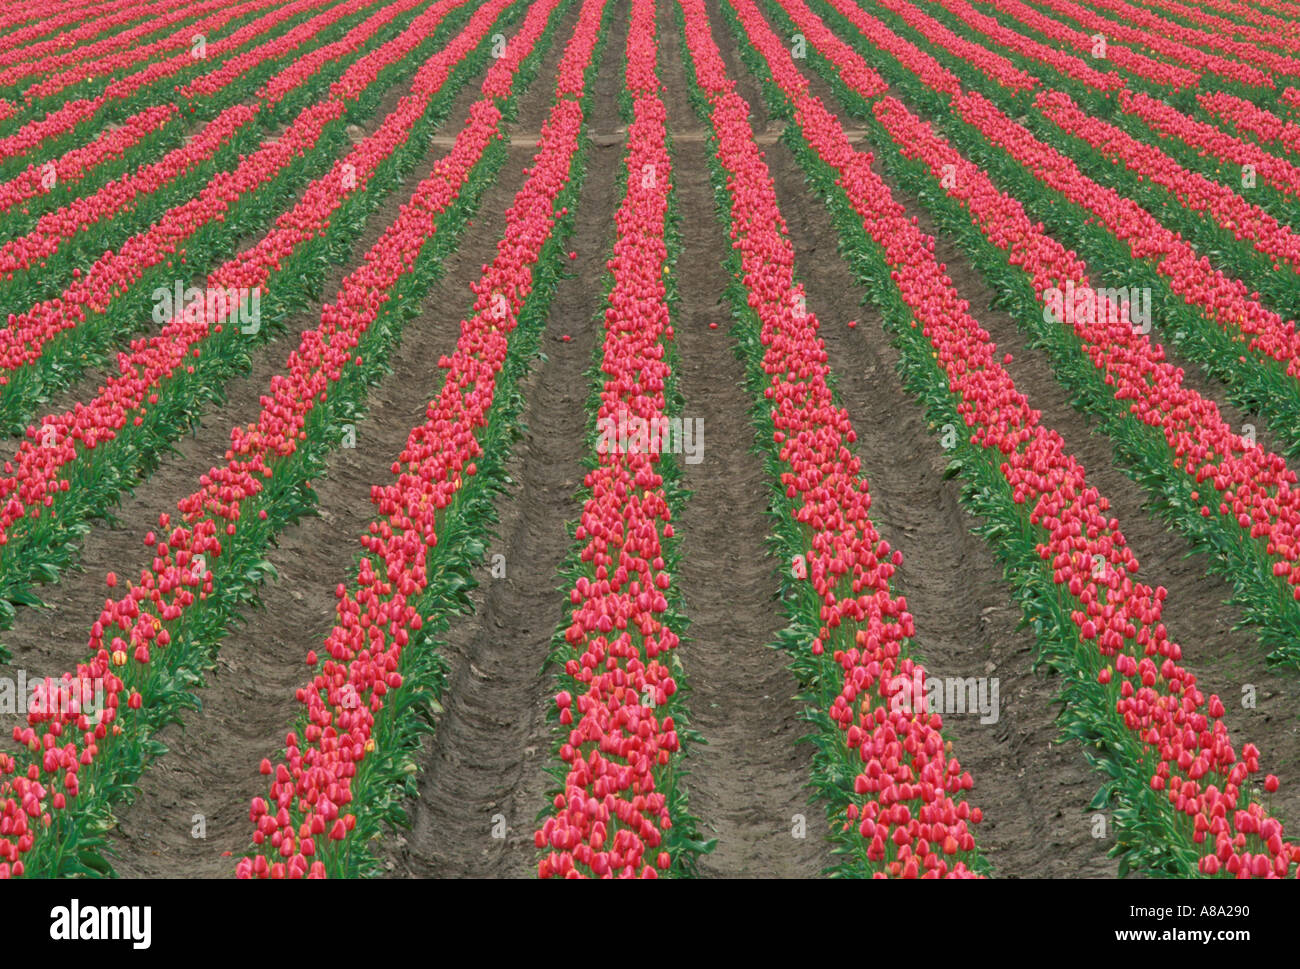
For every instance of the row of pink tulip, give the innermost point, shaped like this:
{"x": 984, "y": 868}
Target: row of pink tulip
{"x": 1257, "y": 488}
{"x": 72, "y": 166}
{"x": 83, "y": 213}
{"x": 93, "y": 290}
{"x": 1244, "y": 19}
{"x": 994, "y": 65}
{"x": 1245, "y": 220}
{"x": 1178, "y": 42}
{"x": 1066, "y": 64}
{"x": 66, "y": 26}
{"x": 1180, "y": 57}
{"x": 1264, "y": 125}
{"x": 1126, "y": 58}
{"x": 52, "y": 73}
{"x": 617, "y": 718}
{"x": 39, "y": 472}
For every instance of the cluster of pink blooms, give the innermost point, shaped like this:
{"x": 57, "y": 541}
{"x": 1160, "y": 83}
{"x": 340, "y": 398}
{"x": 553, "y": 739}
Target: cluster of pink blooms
{"x": 1066, "y": 64}
{"x": 84, "y": 212}
{"x": 33, "y": 479}
{"x": 1157, "y": 699}
{"x": 1222, "y": 298}
{"x": 81, "y": 214}
{"x": 214, "y": 18}
{"x": 930, "y": 71}
{"x": 1125, "y": 58}
{"x": 49, "y": 19}
{"x": 1169, "y": 122}
{"x": 993, "y": 65}
{"x": 1257, "y": 489}
{"x": 1173, "y": 40}
{"x": 1277, "y": 31}
{"x": 112, "y": 274}
{"x": 1264, "y": 125}
{"x": 74, "y": 165}
{"x": 285, "y": 45}
{"x": 906, "y": 806}
{"x": 619, "y": 731}
{"x": 1245, "y": 220}
{"x": 67, "y": 47}
{"x": 364, "y": 650}
{"x": 70, "y": 114}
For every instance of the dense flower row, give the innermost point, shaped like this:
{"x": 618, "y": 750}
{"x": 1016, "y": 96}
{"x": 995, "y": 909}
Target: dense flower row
{"x": 81, "y": 214}
{"x": 303, "y": 820}
{"x": 1125, "y": 58}
{"x": 994, "y": 65}
{"x": 57, "y": 448}
{"x": 84, "y": 213}
{"x": 1066, "y": 64}
{"x": 1208, "y": 234}
{"x": 53, "y": 18}
{"x": 1155, "y": 698}
{"x": 1153, "y": 30}
{"x": 902, "y": 816}
{"x": 1255, "y": 486}
{"x": 1196, "y": 192}
{"x": 110, "y": 144}
{"x": 1242, "y": 546}
{"x": 1221, "y": 298}
{"x": 1243, "y": 20}
{"x": 616, "y": 710}
{"x": 305, "y": 64}
{"x": 208, "y": 84}
{"x": 215, "y": 17}
{"x": 1264, "y": 125}
{"x": 1279, "y": 31}
{"x": 93, "y": 39}
{"x": 24, "y": 44}
{"x": 1186, "y": 60}
{"x": 188, "y": 556}
{"x": 93, "y": 290}
{"x": 72, "y": 113}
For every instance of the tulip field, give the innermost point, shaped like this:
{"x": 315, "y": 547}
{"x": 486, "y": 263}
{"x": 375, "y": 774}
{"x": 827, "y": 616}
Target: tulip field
{"x": 650, "y": 438}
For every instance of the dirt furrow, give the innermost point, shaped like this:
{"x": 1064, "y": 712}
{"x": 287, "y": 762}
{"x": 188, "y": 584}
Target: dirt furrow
{"x": 748, "y": 781}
